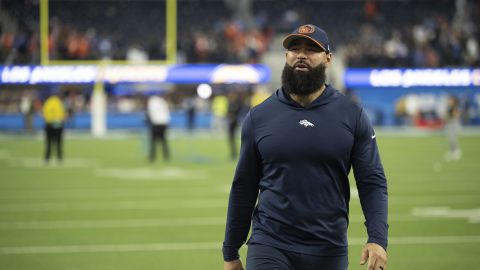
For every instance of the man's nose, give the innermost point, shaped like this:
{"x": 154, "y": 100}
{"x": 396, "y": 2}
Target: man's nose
{"x": 301, "y": 54}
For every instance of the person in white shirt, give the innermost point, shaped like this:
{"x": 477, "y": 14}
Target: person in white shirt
{"x": 452, "y": 126}
{"x": 158, "y": 116}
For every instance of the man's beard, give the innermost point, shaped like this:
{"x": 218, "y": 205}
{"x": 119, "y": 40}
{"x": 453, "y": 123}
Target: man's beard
{"x": 303, "y": 83}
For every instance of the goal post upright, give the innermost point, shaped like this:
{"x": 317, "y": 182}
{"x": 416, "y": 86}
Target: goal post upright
{"x": 170, "y": 40}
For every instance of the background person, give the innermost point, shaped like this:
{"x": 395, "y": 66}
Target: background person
{"x": 27, "y": 109}
{"x": 54, "y": 115}
{"x": 219, "y": 112}
{"x": 158, "y": 115}
{"x": 235, "y": 106}
{"x": 452, "y": 127}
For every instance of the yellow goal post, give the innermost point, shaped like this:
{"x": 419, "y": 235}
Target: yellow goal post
{"x": 171, "y": 40}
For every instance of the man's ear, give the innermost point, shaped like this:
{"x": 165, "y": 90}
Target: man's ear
{"x": 329, "y": 58}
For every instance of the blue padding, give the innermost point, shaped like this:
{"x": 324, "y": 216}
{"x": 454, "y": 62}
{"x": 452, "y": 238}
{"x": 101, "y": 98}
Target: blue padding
{"x": 115, "y": 120}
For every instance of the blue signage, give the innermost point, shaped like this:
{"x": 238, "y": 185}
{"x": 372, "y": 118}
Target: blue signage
{"x": 179, "y": 74}
{"x": 441, "y": 77}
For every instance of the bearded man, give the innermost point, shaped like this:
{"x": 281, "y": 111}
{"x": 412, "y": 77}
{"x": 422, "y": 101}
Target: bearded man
{"x": 297, "y": 150}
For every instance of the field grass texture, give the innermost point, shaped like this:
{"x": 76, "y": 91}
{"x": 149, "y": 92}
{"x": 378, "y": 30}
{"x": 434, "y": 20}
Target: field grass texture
{"x": 105, "y": 207}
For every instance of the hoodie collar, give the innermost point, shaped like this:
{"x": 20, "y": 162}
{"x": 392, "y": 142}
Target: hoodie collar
{"x": 328, "y": 95}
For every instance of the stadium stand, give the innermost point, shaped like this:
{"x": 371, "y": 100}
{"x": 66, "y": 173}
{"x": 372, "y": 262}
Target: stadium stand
{"x": 371, "y": 33}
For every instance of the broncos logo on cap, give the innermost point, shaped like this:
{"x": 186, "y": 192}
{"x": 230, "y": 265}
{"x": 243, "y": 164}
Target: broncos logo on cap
{"x": 306, "y": 29}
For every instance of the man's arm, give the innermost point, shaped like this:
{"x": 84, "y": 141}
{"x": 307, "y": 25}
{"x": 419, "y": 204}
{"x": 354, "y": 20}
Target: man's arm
{"x": 372, "y": 188}
{"x": 243, "y": 194}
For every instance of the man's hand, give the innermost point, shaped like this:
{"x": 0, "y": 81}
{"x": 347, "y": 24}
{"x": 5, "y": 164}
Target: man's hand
{"x": 233, "y": 265}
{"x": 376, "y": 256}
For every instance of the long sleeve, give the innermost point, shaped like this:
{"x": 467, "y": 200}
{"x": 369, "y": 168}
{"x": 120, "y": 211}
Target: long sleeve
{"x": 371, "y": 182}
{"x": 243, "y": 194}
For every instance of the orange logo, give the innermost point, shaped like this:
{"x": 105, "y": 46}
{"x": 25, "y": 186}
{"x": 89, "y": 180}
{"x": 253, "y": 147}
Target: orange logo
{"x": 306, "y": 29}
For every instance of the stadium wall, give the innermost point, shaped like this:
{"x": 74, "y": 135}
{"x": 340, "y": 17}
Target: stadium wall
{"x": 115, "y": 121}
{"x": 380, "y": 90}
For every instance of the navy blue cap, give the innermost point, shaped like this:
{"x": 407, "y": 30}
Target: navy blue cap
{"x": 309, "y": 31}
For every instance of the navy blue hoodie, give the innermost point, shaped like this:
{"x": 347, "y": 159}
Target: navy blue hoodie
{"x": 296, "y": 161}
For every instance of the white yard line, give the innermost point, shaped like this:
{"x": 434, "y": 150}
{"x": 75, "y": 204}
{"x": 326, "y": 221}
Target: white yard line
{"x": 109, "y": 192}
{"x": 120, "y": 223}
{"x": 415, "y": 240}
{"x": 118, "y": 205}
{"x": 159, "y": 222}
{"x": 472, "y": 215}
{"x": 128, "y": 174}
{"x": 111, "y": 248}
{"x": 416, "y": 200}
{"x": 38, "y": 162}
{"x": 139, "y": 204}
{"x": 149, "y": 174}
{"x": 429, "y": 240}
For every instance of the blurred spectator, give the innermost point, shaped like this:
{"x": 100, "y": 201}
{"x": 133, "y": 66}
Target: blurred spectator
{"x": 235, "y": 106}
{"x": 396, "y": 50}
{"x": 136, "y": 55}
{"x": 158, "y": 115}
{"x": 434, "y": 37}
{"x": 27, "y": 109}
{"x": 401, "y": 115}
{"x": 416, "y": 34}
{"x": 452, "y": 126}
{"x": 219, "y": 112}
{"x": 259, "y": 95}
{"x": 54, "y": 115}
{"x": 190, "y": 106}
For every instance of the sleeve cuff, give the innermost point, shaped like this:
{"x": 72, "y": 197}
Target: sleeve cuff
{"x": 382, "y": 242}
{"x": 230, "y": 254}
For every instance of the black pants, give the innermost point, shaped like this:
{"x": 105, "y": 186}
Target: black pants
{"x": 158, "y": 133}
{"x": 232, "y": 129}
{"x": 53, "y": 136}
{"x": 262, "y": 257}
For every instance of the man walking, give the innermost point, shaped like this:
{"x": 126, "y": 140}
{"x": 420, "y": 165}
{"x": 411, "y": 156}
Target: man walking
{"x": 297, "y": 150}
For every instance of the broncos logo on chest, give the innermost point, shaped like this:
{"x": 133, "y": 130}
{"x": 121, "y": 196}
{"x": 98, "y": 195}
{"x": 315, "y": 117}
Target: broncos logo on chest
{"x": 306, "y": 123}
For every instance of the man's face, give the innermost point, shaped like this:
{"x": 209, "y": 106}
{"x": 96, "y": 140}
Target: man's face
{"x": 304, "y": 71}
{"x": 303, "y": 55}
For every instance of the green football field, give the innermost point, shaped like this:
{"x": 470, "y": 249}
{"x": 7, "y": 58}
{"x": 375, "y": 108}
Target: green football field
{"x": 106, "y": 208}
